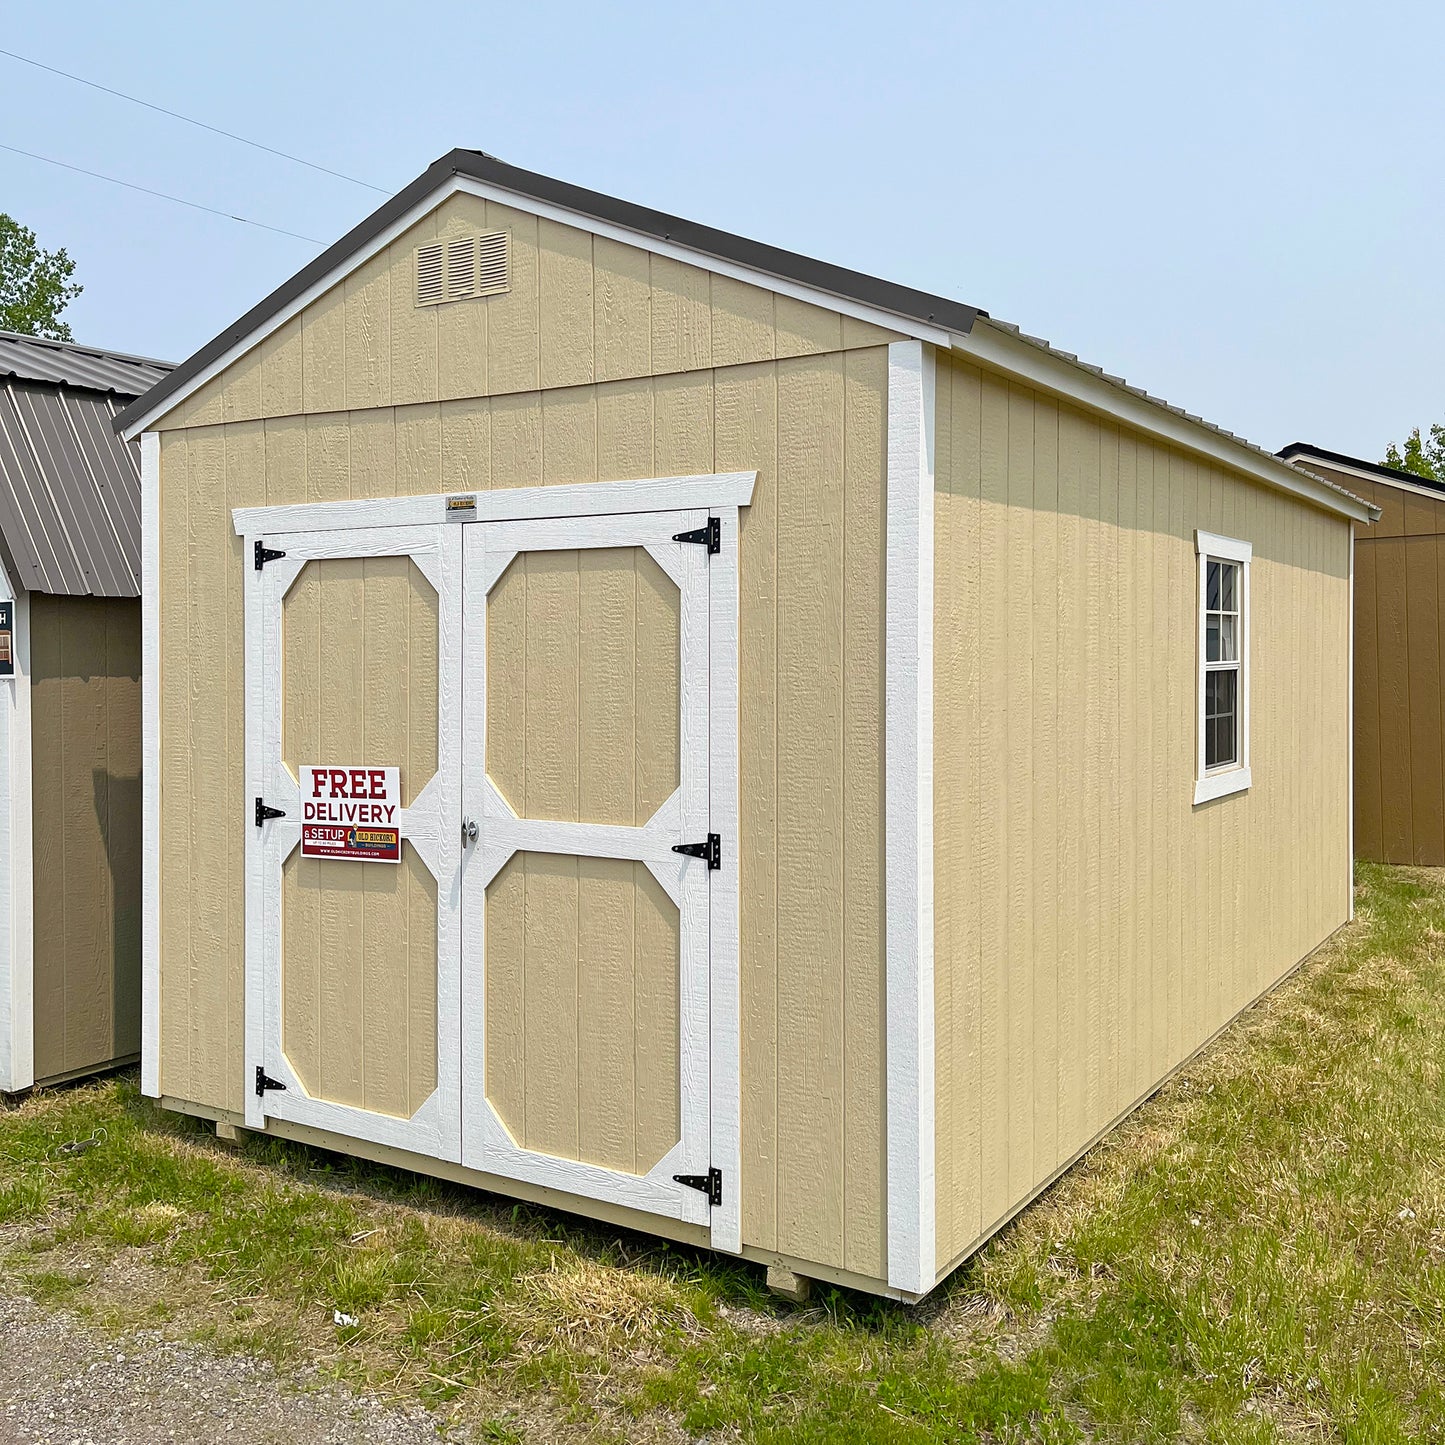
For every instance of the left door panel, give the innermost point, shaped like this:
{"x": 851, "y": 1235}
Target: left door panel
{"x": 353, "y": 967}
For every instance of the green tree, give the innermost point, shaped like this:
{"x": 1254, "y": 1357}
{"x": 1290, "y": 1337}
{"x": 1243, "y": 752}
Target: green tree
{"x": 35, "y": 285}
{"x": 1425, "y": 457}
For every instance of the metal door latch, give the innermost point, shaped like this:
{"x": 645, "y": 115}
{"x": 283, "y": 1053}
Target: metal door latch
{"x": 469, "y": 832}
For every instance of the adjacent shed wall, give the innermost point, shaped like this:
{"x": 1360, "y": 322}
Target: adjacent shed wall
{"x": 602, "y": 363}
{"x": 1399, "y": 674}
{"x": 1092, "y": 927}
{"x": 85, "y": 790}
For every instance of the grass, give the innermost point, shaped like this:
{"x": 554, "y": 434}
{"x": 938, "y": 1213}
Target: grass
{"x": 1257, "y": 1255}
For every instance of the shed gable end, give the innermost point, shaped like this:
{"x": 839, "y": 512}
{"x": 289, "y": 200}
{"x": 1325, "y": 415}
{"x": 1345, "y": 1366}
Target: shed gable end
{"x": 579, "y": 308}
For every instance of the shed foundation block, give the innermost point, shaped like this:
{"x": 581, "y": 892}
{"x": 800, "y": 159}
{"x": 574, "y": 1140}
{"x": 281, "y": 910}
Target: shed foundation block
{"x": 796, "y": 1288}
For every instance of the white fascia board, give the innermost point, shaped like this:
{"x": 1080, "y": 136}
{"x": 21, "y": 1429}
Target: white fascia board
{"x": 150, "y": 627}
{"x": 908, "y": 818}
{"x": 994, "y": 347}
{"x": 465, "y": 185}
{"x": 581, "y": 499}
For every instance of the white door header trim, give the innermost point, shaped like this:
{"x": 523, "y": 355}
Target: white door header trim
{"x": 580, "y": 499}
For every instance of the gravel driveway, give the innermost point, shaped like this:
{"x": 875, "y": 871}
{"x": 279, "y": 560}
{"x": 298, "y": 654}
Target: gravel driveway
{"x": 64, "y": 1384}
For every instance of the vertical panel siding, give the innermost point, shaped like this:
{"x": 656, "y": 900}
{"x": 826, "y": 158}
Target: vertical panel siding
{"x": 1092, "y": 926}
{"x": 811, "y": 424}
{"x": 580, "y": 309}
{"x": 85, "y": 757}
{"x": 1399, "y": 675}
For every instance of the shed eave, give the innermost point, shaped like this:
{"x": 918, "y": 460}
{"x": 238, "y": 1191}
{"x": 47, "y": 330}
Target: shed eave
{"x": 1001, "y": 347}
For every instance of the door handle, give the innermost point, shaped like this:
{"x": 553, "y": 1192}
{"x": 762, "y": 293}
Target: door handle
{"x": 469, "y": 832}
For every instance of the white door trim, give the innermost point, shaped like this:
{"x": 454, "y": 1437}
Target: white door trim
{"x": 430, "y": 824}
{"x": 579, "y": 499}
{"x": 908, "y": 817}
{"x": 487, "y": 1144}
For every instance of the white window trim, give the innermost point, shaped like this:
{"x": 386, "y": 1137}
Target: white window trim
{"x": 1235, "y": 778}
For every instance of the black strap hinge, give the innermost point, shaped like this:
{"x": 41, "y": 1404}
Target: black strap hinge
{"x": 265, "y": 554}
{"x": 264, "y": 1082}
{"x": 709, "y": 536}
{"x": 263, "y": 812}
{"x": 709, "y": 1183}
{"x": 711, "y": 850}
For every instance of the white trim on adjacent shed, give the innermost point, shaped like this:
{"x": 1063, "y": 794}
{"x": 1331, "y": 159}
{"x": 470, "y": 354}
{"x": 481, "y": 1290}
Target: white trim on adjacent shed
{"x": 150, "y": 649}
{"x": 908, "y": 822}
{"x": 17, "y": 901}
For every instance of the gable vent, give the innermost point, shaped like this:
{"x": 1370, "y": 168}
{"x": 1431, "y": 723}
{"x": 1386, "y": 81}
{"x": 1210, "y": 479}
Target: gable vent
{"x": 463, "y": 267}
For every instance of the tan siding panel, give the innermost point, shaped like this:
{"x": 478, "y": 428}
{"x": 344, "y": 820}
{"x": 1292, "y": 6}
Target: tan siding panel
{"x": 1118, "y": 924}
{"x": 580, "y": 309}
{"x": 811, "y": 590}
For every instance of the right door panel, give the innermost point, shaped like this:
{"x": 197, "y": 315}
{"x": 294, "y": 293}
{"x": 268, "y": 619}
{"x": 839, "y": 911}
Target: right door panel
{"x": 586, "y": 957}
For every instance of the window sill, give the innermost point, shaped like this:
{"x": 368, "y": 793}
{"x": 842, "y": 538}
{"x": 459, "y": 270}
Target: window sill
{"x": 1220, "y": 785}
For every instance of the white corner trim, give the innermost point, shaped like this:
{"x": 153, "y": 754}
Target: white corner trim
{"x": 17, "y": 898}
{"x": 463, "y": 184}
{"x": 1044, "y": 368}
{"x": 908, "y": 820}
{"x": 1221, "y": 782}
{"x": 1350, "y": 742}
{"x": 507, "y": 504}
{"x": 150, "y": 629}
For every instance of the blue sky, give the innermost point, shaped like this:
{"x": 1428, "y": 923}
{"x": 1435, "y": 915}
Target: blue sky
{"x": 1237, "y": 206}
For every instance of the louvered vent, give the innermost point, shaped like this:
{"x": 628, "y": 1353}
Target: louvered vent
{"x": 463, "y": 267}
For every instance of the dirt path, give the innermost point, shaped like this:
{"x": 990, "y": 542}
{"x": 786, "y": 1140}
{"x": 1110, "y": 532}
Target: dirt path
{"x": 62, "y": 1383}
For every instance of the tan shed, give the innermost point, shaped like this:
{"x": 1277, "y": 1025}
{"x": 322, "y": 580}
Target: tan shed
{"x": 654, "y": 724}
{"x": 70, "y": 711}
{"x": 1399, "y": 639}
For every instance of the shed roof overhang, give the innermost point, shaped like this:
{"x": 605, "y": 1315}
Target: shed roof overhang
{"x": 950, "y": 325}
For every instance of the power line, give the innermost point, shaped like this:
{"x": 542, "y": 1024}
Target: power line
{"x": 146, "y": 190}
{"x": 190, "y": 120}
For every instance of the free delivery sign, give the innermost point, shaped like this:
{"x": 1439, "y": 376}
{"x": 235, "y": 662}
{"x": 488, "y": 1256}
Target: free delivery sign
{"x": 352, "y": 813}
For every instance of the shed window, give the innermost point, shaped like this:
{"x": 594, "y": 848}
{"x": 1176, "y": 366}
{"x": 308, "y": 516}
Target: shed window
{"x": 1223, "y": 725}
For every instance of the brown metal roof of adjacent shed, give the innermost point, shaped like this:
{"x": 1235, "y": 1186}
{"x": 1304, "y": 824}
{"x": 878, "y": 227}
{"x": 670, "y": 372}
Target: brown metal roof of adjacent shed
{"x": 69, "y": 485}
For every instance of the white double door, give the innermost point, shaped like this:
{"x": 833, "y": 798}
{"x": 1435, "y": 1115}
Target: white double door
{"x": 528, "y": 992}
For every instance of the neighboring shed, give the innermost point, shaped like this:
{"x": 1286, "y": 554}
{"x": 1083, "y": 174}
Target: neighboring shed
{"x": 1399, "y": 658}
{"x": 70, "y": 751}
{"x": 847, "y": 752}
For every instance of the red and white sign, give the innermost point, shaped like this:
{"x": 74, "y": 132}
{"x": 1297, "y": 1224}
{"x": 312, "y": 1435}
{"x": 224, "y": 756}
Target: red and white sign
{"x": 351, "y": 813}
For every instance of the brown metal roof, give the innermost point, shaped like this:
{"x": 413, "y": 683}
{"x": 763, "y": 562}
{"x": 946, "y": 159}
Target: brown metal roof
{"x": 69, "y": 485}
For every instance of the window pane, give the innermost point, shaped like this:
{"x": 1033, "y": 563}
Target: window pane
{"x": 1221, "y": 690}
{"x": 1229, "y": 639}
{"x": 1229, "y": 575}
{"x": 1211, "y": 590}
{"x": 1211, "y": 637}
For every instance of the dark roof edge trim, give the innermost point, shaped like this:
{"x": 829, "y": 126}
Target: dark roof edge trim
{"x": 903, "y": 301}
{"x": 1388, "y": 474}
